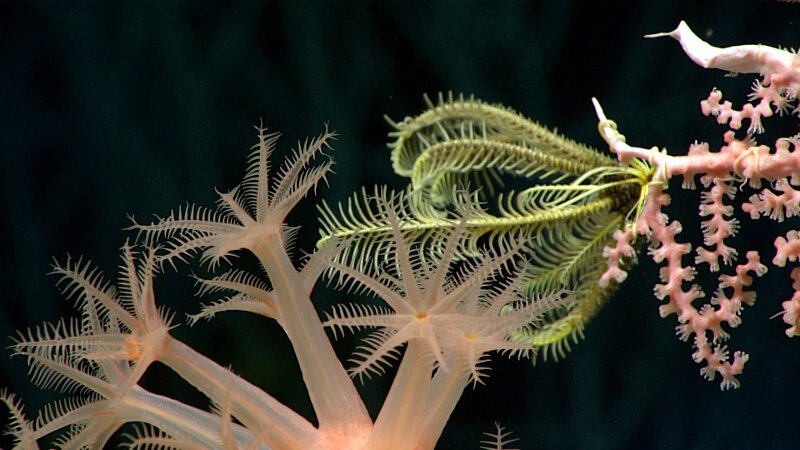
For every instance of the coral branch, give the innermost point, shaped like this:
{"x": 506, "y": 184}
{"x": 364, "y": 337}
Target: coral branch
{"x": 738, "y": 159}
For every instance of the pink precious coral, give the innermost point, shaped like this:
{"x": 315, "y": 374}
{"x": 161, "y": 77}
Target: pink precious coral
{"x": 736, "y": 162}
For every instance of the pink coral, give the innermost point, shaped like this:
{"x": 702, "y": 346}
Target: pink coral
{"x": 738, "y": 160}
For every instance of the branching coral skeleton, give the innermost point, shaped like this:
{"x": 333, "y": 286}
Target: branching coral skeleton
{"x": 461, "y": 266}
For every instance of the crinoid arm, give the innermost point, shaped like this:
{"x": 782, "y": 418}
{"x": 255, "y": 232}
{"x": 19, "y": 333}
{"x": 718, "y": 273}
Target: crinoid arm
{"x": 568, "y": 198}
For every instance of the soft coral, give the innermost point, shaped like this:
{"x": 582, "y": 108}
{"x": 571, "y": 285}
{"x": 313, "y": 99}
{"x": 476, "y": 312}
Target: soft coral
{"x": 450, "y": 311}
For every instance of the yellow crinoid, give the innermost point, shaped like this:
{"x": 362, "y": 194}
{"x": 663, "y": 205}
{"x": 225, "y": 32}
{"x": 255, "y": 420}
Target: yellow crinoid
{"x": 567, "y": 197}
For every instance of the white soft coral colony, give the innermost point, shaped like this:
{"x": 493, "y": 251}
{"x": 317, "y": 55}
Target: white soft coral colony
{"x": 448, "y": 307}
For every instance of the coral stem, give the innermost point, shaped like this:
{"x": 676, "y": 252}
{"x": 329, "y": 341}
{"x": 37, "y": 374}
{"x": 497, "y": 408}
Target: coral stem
{"x": 249, "y": 404}
{"x": 333, "y": 395}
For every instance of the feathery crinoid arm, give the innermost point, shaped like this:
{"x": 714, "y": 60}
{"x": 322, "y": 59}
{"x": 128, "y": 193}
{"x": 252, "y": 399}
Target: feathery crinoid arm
{"x": 460, "y": 143}
{"x": 567, "y": 198}
{"x": 444, "y": 299}
{"x": 364, "y": 221}
{"x": 471, "y": 120}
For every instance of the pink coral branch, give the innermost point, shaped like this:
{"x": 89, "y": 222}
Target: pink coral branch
{"x": 738, "y": 159}
{"x": 718, "y": 227}
{"x": 615, "y": 256}
{"x": 791, "y": 307}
